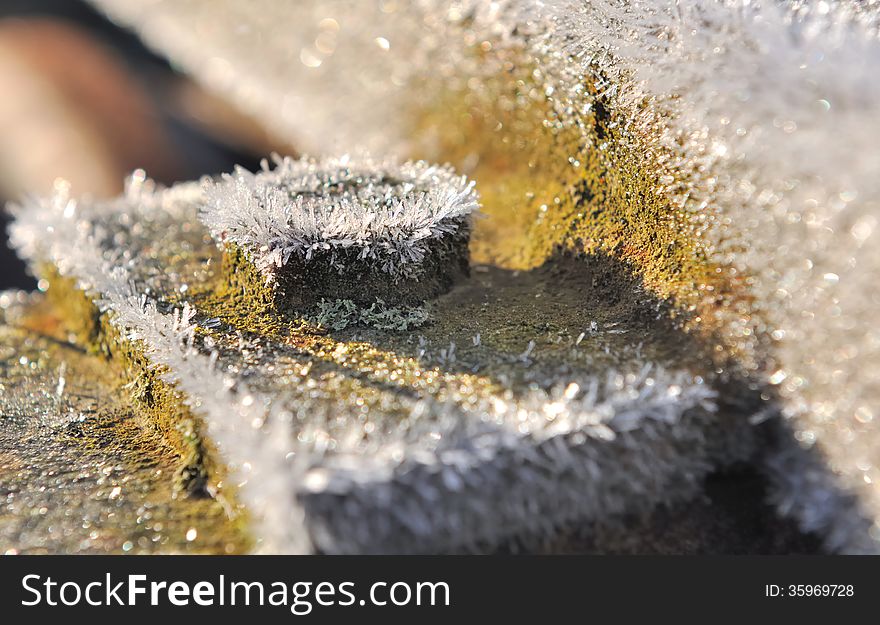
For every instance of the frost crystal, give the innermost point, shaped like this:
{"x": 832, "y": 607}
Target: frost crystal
{"x": 501, "y": 463}
{"x": 762, "y": 117}
{"x": 339, "y": 211}
{"x": 341, "y": 313}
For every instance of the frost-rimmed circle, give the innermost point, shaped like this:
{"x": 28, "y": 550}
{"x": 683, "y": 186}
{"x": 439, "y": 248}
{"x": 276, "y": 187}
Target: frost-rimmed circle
{"x": 389, "y": 213}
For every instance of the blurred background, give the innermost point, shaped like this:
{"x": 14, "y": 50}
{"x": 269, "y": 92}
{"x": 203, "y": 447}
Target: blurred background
{"x": 84, "y": 100}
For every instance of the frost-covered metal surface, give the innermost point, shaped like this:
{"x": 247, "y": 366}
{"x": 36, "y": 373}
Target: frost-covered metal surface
{"x": 763, "y": 116}
{"x": 381, "y": 213}
{"x": 344, "y": 447}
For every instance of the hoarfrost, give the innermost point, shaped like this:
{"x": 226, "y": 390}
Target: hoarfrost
{"x": 390, "y": 213}
{"x": 763, "y": 116}
{"x": 493, "y": 457}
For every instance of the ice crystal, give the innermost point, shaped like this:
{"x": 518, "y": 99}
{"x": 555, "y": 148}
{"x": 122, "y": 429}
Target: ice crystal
{"x": 387, "y": 213}
{"x": 762, "y": 116}
{"x": 767, "y": 112}
{"x": 500, "y": 462}
{"x": 73, "y": 235}
{"x": 342, "y": 313}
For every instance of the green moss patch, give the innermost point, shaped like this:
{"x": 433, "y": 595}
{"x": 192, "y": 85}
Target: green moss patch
{"x": 158, "y": 402}
{"x": 584, "y": 182}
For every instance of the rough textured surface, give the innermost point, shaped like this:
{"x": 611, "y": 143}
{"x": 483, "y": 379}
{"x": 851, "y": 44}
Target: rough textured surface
{"x": 722, "y": 151}
{"x": 82, "y": 473}
{"x": 530, "y": 401}
{"x": 80, "y": 470}
{"x": 730, "y": 517}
